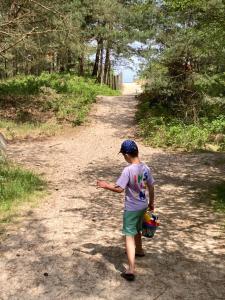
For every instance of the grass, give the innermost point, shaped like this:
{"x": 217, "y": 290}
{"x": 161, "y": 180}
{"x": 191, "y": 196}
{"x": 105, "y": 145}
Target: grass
{"x": 159, "y": 128}
{"x": 41, "y": 105}
{"x": 16, "y": 186}
{"x": 13, "y": 130}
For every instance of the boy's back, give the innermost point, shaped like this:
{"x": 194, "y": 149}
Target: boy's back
{"x": 134, "y": 180}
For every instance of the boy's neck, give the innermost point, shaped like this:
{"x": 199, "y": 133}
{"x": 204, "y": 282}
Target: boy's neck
{"x": 135, "y": 160}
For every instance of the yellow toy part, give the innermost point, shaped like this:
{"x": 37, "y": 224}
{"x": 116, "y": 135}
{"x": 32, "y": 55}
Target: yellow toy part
{"x": 147, "y": 217}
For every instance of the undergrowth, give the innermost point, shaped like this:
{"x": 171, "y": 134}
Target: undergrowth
{"x": 36, "y": 106}
{"x": 16, "y": 186}
{"x": 160, "y": 128}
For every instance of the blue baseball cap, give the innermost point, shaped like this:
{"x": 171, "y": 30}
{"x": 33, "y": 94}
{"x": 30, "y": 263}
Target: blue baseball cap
{"x": 128, "y": 147}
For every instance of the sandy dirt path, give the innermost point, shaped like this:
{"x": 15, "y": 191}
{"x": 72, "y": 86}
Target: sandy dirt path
{"x": 74, "y": 235}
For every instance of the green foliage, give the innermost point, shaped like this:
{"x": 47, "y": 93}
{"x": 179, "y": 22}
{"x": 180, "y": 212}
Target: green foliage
{"x": 185, "y": 68}
{"x": 213, "y": 85}
{"x": 42, "y": 104}
{"x": 160, "y": 128}
{"x": 61, "y": 83}
{"x": 13, "y": 129}
{"x": 16, "y": 186}
{"x": 183, "y": 105}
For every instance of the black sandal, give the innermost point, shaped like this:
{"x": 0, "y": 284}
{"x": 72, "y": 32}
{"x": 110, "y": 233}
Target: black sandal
{"x": 128, "y": 276}
{"x": 139, "y": 254}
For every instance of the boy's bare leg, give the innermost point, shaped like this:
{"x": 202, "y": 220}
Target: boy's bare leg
{"x": 130, "y": 248}
{"x": 138, "y": 244}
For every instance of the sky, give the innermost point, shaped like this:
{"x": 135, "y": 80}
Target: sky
{"x": 131, "y": 67}
{"x": 128, "y": 67}
{"x": 129, "y": 75}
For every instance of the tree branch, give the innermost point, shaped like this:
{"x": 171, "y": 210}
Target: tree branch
{"x": 5, "y": 33}
{"x": 48, "y": 8}
{"x": 15, "y": 20}
{"x": 18, "y": 41}
{"x": 32, "y": 32}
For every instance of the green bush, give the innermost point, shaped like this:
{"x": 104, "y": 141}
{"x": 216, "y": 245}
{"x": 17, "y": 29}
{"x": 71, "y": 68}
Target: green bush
{"x": 188, "y": 95}
{"x": 161, "y": 129}
{"x": 213, "y": 86}
{"x": 57, "y": 98}
{"x": 61, "y": 83}
{"x": 16, "y": 185}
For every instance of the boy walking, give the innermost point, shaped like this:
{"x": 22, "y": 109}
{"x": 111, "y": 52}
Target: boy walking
{"x": 135, "y": 179}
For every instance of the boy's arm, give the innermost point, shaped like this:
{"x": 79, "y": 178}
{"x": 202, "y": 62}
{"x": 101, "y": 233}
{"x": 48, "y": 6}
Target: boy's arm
{"x": 108, "y": 186}
{"x": 151, "y": 191}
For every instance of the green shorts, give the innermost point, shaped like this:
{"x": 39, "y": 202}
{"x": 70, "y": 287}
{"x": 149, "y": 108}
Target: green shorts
{"x": 132, "y": 221}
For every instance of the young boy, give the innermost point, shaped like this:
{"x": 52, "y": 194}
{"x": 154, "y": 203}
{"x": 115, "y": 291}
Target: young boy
{"x": 135, "y": 178}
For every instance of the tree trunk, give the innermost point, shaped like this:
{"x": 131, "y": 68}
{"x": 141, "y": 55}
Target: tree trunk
{"x": 97, "y": 58}
{"x": 14, "y": 65}
{"x": 68, "y": 60}
{"x": 81, "y": 65}
{"x": 6, "y": 73}
{"x": 107, "y": 64}
{"x": 100, "y": 71}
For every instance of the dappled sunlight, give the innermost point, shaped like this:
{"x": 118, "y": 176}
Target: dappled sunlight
{"x": 72, "y": 246}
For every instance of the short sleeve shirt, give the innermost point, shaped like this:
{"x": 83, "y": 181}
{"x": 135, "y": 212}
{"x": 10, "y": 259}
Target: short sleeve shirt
{"x": 134, "y": 180}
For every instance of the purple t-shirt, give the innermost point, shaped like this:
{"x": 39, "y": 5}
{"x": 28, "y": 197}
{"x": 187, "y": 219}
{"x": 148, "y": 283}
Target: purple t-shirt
{"x": 134, "y": 179}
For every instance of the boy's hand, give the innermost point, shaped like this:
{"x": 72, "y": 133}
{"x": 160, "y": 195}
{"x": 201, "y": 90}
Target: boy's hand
{"x": 102, "y": 184}
{"x": 105, "y": 185}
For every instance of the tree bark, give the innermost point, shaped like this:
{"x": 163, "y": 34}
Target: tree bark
{"x": 100, "y": 71}
{"x": 107, "y": 64}
{"x": 14, "y": 65}
{"x": 81, "y": 65}
{"x": 68, "y": 60}
{"x": 97, "y": 58}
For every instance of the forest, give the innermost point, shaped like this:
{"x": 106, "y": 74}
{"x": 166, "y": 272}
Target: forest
{"x": 181, "y": 43}
{"x": 185, "y": 76}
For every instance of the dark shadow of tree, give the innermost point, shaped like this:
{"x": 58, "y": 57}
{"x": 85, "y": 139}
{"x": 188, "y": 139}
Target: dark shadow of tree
{"x": 178, "y": 259}
{"x": 185, "y": 260}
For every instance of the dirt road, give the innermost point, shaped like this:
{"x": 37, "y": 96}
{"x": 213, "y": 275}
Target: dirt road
{"x": 70, "y": 247}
